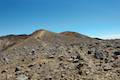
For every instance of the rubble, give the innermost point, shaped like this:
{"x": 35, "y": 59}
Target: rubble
{"x": 46, "y": 55}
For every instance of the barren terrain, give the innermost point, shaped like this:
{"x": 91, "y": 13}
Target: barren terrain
{"x": 45, "y": 55}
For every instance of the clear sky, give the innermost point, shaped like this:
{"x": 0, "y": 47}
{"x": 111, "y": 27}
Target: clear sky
{"x": 96, "y": 18}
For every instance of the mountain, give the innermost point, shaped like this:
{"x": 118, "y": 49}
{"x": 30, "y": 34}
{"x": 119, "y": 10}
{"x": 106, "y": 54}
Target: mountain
{"x": 45, "y": 55}
{"x": 10, "y": 40}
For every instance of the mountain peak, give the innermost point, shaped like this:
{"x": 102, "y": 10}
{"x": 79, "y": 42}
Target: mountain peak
{"x": 39, "y": 31}
{"x": 73, "y": 34}
{"x": 43, "y": 34}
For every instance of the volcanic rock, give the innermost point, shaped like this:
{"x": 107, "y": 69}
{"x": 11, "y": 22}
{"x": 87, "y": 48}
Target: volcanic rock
{"x": 45, "y": 55}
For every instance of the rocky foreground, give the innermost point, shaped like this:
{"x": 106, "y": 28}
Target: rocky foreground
{"x": 45, "y": 55}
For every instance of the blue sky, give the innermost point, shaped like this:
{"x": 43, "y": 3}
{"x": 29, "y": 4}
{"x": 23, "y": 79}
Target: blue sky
{"x": 96, "y": 18}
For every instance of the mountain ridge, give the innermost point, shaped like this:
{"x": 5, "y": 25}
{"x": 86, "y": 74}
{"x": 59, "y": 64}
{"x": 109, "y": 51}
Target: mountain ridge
{"x": 45, "y": 55}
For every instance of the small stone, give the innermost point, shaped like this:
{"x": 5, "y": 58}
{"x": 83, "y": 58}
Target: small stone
{"x": 79, "y": 66}
{"x": 116, "y": 64}
{"x": 51, "y": 56}
{"x": 50, "y": 78}
{"x": 99, "y": 55}
{"x": 3, "y": 71}
{"x": 30, "y": 65}
{"x": 6, "y": 60}
{"x": 18, "y": 68}
{"x": 32, "y": 52}
{"x": 70, "y": 59}
{"x": 61, "y": 58}
{"x": 22, "y": 77}
{"x": 107, "y": 67}
{"x": 117, "y": 46}
{"x": 116, "y": 53}
{"x": 75, "y": 60}
{"x": 80, "y": 72}
{"x": 89, "y": 52}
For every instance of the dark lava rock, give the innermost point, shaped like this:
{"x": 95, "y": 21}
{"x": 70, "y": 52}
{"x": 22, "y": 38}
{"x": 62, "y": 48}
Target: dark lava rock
{"x": 79, "y": 66}
{"x": 117, "y": 53}
{"x": 3, "y": 71}
{"x": 16, "y": 69}
{"x": 89, "y": 52}
{"x": 30, "y": 66}
{"x": 99, "y": 55}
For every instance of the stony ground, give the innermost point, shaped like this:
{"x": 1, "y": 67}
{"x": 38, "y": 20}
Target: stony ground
{"x": 45, "y": 55}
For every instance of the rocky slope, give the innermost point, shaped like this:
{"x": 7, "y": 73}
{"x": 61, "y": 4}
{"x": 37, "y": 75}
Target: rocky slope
{"x": 45, "y": 55}
{"x": 10, "y": 40}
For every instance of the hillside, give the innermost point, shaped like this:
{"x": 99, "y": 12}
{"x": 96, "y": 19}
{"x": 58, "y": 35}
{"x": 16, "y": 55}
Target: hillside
{"x": 10, "y": 40}
{"x": 45, "y": 55}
